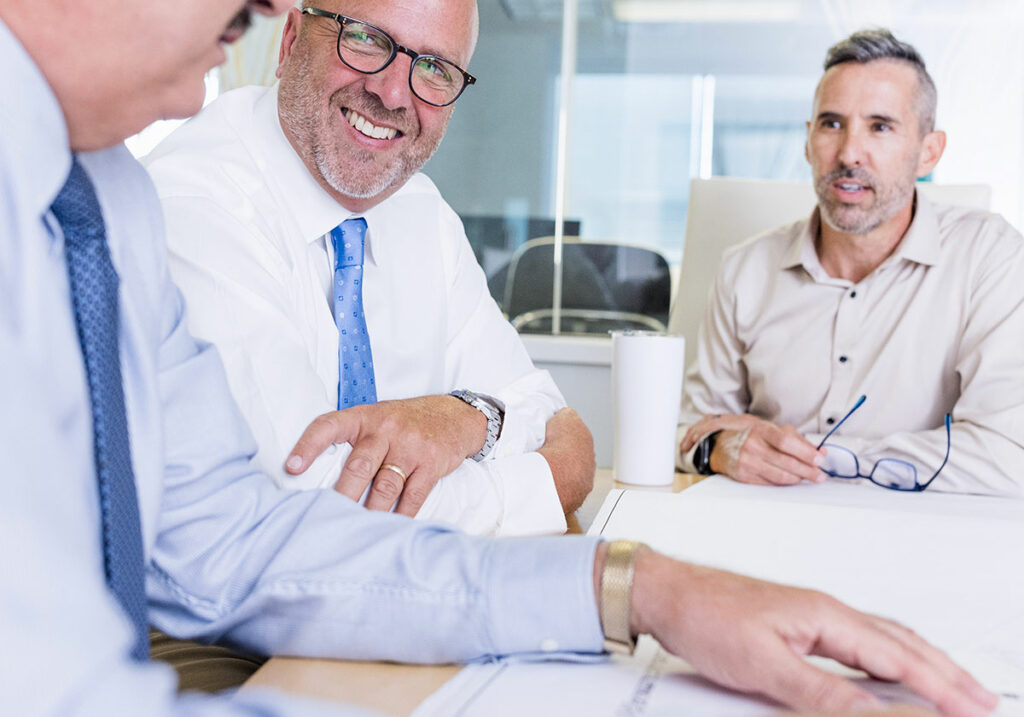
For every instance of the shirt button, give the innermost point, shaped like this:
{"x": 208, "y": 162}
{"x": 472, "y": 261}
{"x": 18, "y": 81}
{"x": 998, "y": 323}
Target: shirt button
{"x": 830, "y": 421}
{"x": 853, "y": 294}
{"x": 549, "y": 645}
{"x": 843, "y": 359}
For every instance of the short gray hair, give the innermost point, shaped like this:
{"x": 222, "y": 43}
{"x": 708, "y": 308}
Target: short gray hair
{"x": 866, "y": 46}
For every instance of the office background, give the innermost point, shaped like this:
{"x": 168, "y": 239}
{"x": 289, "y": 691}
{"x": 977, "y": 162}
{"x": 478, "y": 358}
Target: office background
{"x": 590, "y": 118}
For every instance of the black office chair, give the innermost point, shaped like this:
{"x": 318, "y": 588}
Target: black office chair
{"x": 605, "y": 286}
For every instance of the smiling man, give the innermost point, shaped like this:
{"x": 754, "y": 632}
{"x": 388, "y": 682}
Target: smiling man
{"x": 917, "y": 306}
{"x": 397, "y": 344}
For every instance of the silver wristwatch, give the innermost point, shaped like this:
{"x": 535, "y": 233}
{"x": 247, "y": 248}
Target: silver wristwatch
{"x": 493, "y": 409}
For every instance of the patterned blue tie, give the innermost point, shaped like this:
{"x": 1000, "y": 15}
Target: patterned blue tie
{"x": 356, "y": 385}
{"x": 94, "y": 298}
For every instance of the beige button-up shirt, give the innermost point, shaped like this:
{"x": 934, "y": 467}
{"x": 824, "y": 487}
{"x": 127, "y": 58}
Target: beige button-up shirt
{"x": 937, "y": 328}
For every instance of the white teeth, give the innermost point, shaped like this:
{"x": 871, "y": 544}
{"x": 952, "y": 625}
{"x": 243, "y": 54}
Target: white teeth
{"x": 368, "y": 128}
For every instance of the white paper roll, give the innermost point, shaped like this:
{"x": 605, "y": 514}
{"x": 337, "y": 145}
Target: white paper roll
{"x": 647, "y": 384}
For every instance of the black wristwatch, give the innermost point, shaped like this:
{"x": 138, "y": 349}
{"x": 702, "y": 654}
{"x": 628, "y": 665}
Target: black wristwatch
{"x": 702, "y": 456}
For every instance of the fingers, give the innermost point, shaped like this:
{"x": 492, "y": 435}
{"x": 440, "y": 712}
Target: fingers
{"x": 333, "y": 427}
{"x": 697, "y": 431}
{"x": 718, "y": 421}
{"x": 388, "y": 484}
{"x": 890, "y": 652}
{"x": 940, "y": 661}
{"x": 415, "y": 493}
{"x": 927, "y": 671}
{"x": 792, "y": 681}
{"x": 786, "y": 440}
{"x": 771, "y": 455}
{"x": 362, "y": 465}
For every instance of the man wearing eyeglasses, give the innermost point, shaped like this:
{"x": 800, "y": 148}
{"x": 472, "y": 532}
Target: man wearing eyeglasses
{"x": 917, "y": 306}
{"x": 258, "y": 231}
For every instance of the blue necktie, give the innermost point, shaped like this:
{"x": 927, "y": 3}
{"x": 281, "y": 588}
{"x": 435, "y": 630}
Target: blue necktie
{"x": 356, "y": 385}
{"x": 94, "y": 298}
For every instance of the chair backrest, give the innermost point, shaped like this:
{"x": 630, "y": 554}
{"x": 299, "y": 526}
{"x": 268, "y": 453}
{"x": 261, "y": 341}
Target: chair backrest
{"x": 724, "y": 211}
{"x": 604, "y": 285}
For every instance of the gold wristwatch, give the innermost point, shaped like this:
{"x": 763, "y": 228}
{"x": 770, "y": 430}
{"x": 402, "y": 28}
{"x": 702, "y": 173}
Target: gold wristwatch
{"x": 616, "y": 590}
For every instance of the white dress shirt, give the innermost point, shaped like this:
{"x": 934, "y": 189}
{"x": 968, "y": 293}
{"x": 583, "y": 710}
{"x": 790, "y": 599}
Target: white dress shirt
{"x": 229, "y": 557}
{"x": 248, "y": 232}
{"x": 937, "y": 328}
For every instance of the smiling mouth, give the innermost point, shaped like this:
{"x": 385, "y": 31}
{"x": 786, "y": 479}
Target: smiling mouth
{"x": 366, "y": 127}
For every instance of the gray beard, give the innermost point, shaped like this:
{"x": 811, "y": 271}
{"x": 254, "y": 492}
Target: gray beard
{"x": 863, "y": 223}
{"x": 369, "y": 189}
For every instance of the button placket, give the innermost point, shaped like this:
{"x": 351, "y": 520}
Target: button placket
{"x": 846, "y": 328}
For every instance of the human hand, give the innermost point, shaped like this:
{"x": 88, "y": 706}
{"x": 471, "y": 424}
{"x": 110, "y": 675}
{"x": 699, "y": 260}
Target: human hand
{"x": 569, "y": 450}
{"x": 426, "y": 438}
{"x": 712, "y": 423}
{"x": 751, "y": 636}
{"x": 752, "y": 450}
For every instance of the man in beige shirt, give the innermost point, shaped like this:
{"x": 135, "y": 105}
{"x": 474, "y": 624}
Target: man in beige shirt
{"x": 879, "y": 293}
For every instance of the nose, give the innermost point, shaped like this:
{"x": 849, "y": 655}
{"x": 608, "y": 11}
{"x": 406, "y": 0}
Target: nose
{"x": 851, "y": 148}
{"x": 391, "y": 84}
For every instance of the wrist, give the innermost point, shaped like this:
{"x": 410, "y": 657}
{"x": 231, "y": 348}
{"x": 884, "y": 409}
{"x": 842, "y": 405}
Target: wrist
{"x": 485, "y": 426}
{"x": 660, "y": 587}
{"x": 644, "y": 585}
{"x": 615, "y": 595}
{"x": 716, "y": 460}
{"x": 703, "y": 452}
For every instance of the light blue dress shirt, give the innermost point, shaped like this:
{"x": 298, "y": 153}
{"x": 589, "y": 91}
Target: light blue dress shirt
{"x": 230, "y": 557}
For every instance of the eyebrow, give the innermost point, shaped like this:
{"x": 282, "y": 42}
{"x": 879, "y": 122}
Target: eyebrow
{"x": 877, "y": 117}
{"x": 886, "y": 118}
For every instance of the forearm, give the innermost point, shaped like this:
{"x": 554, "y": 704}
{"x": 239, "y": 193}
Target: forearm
{"x": 569, "y": 451}
{"x": 316, "y": 575}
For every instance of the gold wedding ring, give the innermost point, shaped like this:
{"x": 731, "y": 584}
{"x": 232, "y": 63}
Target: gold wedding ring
{"x": 396, "y": 470}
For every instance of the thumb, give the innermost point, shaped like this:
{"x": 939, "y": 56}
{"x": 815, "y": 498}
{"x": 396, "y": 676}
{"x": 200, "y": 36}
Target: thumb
{"x": 793, "y": 681}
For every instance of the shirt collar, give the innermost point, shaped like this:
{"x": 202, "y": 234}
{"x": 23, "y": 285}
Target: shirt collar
{"x": 920, "y": 243}
{"x": 315, "y": 211}
{"x": 34, "y": 141}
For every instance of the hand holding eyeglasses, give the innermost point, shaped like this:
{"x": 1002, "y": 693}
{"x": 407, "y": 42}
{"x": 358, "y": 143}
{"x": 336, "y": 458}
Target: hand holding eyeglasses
{"x": 752, "y": 450}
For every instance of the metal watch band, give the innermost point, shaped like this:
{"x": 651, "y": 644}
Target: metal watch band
{"x": 616, "y": 590}
{"x": 492, "y": 409}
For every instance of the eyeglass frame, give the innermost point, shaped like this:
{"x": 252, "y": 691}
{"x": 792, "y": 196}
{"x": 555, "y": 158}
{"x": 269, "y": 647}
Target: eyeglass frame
{"x": 918, "y": 486}
{"x": 342, "y": 20}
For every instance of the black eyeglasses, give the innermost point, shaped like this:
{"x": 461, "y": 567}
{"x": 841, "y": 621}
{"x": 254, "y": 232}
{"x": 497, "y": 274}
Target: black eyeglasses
{"x": 368, "y": 49}
{"x": 891, "y": 473}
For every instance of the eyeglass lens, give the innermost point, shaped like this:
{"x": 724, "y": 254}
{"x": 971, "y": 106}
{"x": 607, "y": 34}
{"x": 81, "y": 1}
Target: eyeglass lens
{"x": 894, "y": 473}
{"x": 888, "y": 472}
{"x": 367, "y": 49}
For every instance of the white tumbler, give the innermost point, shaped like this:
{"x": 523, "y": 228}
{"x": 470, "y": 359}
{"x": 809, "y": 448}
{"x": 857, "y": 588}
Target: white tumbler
{"x": 647, "y": 385}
